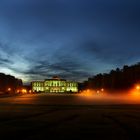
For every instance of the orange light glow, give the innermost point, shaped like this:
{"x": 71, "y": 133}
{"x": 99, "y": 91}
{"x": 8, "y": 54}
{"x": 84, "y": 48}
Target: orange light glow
{"x": 18, "y": 91}
{"x": 88, "y": 90}
{"x": 24, "y": 91}
{"x": 9, "y": 89}
{"x": 102, "y": 90}
{"x": 98, "y": 91}
{"x": 135, "y": 93}
{"x": 138, "y": 87}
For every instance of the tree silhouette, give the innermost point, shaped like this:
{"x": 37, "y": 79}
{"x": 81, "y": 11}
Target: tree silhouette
{"x": 9, "y": 82}
{"x": 118, "y": 79}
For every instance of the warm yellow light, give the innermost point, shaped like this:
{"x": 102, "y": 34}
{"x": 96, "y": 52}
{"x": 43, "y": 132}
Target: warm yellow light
{"x": 98, "y": 91}
{"x": 24, "y": 91}
{"x": 30, "y": 91}
{"x": 18, "y": 91}
{"x": 88, "y": 90}
{"x": 102, "y": 89}
{"x": 138, "y": 87}
{"x": 9, "y": 89}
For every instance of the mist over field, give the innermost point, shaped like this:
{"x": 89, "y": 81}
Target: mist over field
{"x": 118, "y": 97}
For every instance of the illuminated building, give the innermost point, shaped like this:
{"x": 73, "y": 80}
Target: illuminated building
{"x": 54, "y": 85}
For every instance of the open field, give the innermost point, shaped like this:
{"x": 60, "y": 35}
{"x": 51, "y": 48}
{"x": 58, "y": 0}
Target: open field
{"x": 34, "y": 117}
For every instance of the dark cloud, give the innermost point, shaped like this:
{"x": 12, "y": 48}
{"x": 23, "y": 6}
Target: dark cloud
{"x": 108, "y": 51}
{"x": 5, "y": 61}
{"x": 72, "y": 39}
{"x": 64, "y": 69}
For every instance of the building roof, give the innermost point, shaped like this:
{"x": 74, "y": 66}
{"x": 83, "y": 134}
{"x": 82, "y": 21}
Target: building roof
{"x": 55, "y": 79}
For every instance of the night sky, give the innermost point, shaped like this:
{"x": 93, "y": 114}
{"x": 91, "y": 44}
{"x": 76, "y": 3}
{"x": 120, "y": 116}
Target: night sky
{"x": 73, "y": 39}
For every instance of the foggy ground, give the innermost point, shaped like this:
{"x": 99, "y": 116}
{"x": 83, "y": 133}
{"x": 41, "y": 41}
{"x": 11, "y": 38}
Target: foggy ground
{"x": 35, "y": 117}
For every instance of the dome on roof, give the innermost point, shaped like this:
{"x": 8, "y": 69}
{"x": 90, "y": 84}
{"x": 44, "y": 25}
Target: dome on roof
{"x": 56, "y": 77}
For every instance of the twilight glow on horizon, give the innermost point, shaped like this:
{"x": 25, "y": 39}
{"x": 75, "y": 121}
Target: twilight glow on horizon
{"x": 73, "y": 39}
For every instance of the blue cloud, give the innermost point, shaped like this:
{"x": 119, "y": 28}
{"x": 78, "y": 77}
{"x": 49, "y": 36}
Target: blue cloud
{"x": 73, "y": 39}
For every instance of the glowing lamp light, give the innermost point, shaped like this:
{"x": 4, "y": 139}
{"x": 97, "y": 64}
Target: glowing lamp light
{"x": 138, "y": 87}
{"x": 9, "y": 89}
{"x": 88, "y": 90}
{"x": 24, "y": 91}
{"x": 98, "y": 91}
{"x": 18, "y": 91}
{"x": 102, "y": 90}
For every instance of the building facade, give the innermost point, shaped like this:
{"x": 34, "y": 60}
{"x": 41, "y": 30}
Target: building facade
{"x": 54, "y": 85}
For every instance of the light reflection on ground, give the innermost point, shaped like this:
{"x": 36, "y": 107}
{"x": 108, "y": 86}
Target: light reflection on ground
{"x": 88, "y": 97}
{"x": 126, "y": 97}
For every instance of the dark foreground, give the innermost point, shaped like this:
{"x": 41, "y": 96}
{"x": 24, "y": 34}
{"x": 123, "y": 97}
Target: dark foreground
{"x": 36, "y": 117}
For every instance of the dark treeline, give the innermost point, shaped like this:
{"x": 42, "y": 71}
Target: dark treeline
{"x": 119, "y": 79}
{"x": 9, "y": 84}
